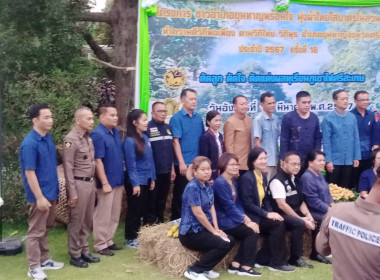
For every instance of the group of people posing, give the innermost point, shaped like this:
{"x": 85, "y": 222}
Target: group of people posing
{"x": 264, "y": 198}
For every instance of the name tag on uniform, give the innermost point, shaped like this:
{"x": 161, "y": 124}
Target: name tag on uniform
{"x": 354, "y": 231}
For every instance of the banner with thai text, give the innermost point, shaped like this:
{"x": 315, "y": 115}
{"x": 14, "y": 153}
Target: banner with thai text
{"x": 224, "y": 49}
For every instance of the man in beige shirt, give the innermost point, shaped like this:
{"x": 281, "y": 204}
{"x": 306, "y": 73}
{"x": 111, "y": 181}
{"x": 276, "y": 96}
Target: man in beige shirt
{"x": 237, "y": 132}
{"x": 351, "y": 233}
{"x": 79, "y": 167}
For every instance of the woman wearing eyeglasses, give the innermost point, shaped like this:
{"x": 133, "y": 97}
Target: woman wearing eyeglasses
{"x": 253, "y": 194}
{"x": 317, "y": 195}
{"x": 231, "y": 217}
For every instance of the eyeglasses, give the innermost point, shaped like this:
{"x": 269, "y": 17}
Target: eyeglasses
{"x": 234, "y": 164}
{"x": 294, "y": 164}
{"x": 161, "y": 111}
{"x": 363, "y": 100}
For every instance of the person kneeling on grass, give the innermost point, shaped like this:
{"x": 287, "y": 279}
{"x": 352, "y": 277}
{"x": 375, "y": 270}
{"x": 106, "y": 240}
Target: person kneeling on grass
{"x": 199, "y": 229}
{"x": 231, "y": 217}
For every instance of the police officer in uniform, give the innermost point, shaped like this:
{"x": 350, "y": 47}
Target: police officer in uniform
{"x": 79, "y": 168}
{"x": 160, "y": 136}
{"x": 351, "y": 233}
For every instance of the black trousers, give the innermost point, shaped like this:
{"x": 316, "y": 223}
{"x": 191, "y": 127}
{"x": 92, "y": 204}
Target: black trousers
{"x": 213, "y": 247}
{"x": 136, "y": 210}
{"x": 273, "y": 251}
{"x": 318, "y": 221}
{"x": 157, "y": 199}
{"x": 296, "y": 226}
{"x": 246, "y": 254}
{"x": 341, "y": 175}
{"x": 364, "y": 164}
{"x": 180, "y": 183}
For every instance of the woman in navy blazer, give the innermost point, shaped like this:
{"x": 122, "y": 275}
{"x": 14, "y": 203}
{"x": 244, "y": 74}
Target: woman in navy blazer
{"x": 231, "y": 217}
{"x": 253, "y": 195}
{"x": 140, "y": 172}
{"x": 211, "y": 143}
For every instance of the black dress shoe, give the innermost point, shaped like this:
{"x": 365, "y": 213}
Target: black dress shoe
{"x": 78, "y": 262}
{"x": 319, "y": 258}
{"x": 106, "y": 252}
{"x": 115, "y": 247}
{"x": 90, "y": 258}
{"x": 300, "y": 263}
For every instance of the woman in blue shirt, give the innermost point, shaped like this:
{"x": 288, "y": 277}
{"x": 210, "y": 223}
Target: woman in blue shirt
{"x": 211, "y": 143}
{"x": 140, "y": 172}
{"x": 231, "y": 217}
{"x": 368, "y": 176}
{"x": 253, "y": 193}
{"x": 199, "y": 228}
{"x": 317, "y": 195}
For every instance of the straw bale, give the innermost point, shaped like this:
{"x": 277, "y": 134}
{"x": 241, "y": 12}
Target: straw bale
{"x": 173, "y": 259}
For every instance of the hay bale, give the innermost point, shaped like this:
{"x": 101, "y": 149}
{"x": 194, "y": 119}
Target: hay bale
{"x": 173, "y": 259}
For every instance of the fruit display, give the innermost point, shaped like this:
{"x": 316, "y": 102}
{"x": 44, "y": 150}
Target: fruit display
{"x": 339, "y": 193}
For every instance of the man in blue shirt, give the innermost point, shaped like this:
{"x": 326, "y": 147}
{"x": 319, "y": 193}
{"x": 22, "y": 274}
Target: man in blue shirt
{"x": 187, "y": 128}
{"x": 266, "y": 131}
{"x": 300, "y": 131}
{"x": 340, "y": 141}
{"x": 366, "y": 121}
{"x": 39, "y": 173}
{"x": 161, "y": 139}
{"x": 109, "y": 168}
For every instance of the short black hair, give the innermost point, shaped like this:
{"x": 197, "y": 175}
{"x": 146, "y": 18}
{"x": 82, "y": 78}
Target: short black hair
{"x": 34, "y": 110}
{"x": 265, "y": 95}
{"x": 336, "y": 93}
{"x": 253, "y": 155}
{"x": 234, "y": 100}
{"x": 102, "y": 109}
{"x": 291, "y": 153}
{"x": 224, "y": 160}
{"x": 359, "y": 92}
{"x": 210, "y": 115}
{"x": 312, "y": 155}
{"x": 184, "y": 92}
{"x": 301, "y": 94}
{"x": 156, "y": 103}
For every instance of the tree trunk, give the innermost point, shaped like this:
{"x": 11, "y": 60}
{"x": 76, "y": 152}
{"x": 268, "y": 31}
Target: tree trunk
{"x": 124, "y": 16}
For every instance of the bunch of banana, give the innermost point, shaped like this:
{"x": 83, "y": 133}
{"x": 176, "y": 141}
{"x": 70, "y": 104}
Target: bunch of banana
{"x": 338, "y": 193}
{"x": 173, "y": 232}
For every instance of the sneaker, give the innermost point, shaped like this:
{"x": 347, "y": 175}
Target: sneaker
{"x": 320, "y": 258}
{"x": 37, "y": 273}
{"x": 282, "y": 268}
{"x": 232, "y": 270}
{"x": 194, "y": 276}
{"x": 249, "y": 272}
{"x": 258, "y": 265}
{"x": 300, "y": 263}
{"x": 132, "y": 243}
{"x": 50, "y": 264}
{"x": 211, "y": 274}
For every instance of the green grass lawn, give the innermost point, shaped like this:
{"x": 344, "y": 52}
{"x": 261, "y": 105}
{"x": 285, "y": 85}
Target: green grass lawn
{"x": 124, "y": 265}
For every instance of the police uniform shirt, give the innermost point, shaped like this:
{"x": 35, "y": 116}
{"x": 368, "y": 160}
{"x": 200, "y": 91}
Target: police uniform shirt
{"x": 351, "y": 233}
{"x": 161, "y": 139}
{"x": 78, "y": 158}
